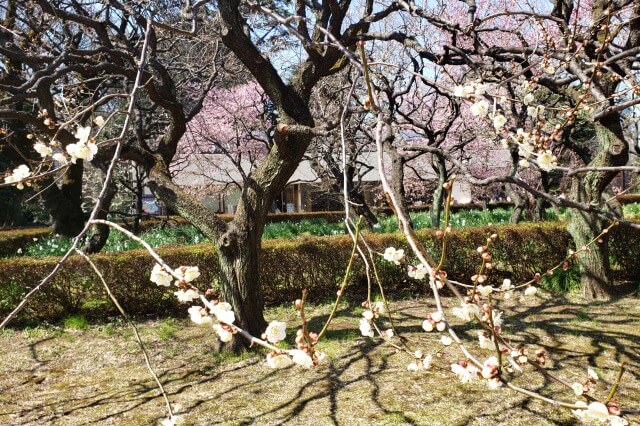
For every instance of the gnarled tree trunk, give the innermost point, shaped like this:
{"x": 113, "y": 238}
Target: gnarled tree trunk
{"x": 595, "y": 268}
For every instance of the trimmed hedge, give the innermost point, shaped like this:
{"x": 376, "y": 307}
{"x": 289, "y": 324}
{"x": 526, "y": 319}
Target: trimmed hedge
{"x": 288, "y": 266}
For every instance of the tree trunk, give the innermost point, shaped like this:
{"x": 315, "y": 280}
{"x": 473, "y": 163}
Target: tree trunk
{"x": 64, "y": 204}
{"x": 594, "y": 264}
{"x": 362, "y": 208}
{"x": 595, "y": 278}
{"x": 435, "y": 211}
{"x": 96, "y": 242}
{"x": 239, "y": 257}
{"x": 397, "y": 181}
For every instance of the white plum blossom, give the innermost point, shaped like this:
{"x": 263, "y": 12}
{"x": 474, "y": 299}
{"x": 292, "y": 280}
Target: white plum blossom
{"x": 592, "y": 374}
{"x": 480, "y": 108}
{"x": 480, "y": 89}
{"x": 497, "y": 318}
{"x": 225, "y": 335}
{"x": 368, "y": 315}
{"x": 427, "y": 325}
{"x": 199, "y": 315}
{"x": 499, "y": 121}
{"x": 188, "y": 273}
{"x": 59, "y": 157}
{"x": 276, "y": 331}
{"x": 465, "y": 374}
{"x": 418, "y": 272}
{"x": 160, "y": 276}
{"x": 466, "y": 311}
{"x": 82, "y": 151}
{"x": 528, "y": 98}
{"x": 535, "y": 111}
{"x": 484, "y": 341}
{"x": 426, "y": 362}
{"x": 223, "y": 312}
{"x": 42, "y": 149}
{"x": 490, "y": 368}
{"x": 530, "y": 291}
{"x": 446, "y": 340}
{"x": 459, "y": 92}
{"x": 365, "y": 328}
{"x": 485, "y": 290}
{"x": 547, "y": 161}
{"x": 578, "y": 389}
{"x": 301, "y": 358}
{"x": 412, "y": 367}
{"x": 463, "y": 91}
{"x": 99, "y": 120}
{"x": 83, "y": 133}
{"x": 185, "y": 296}
{"x": 441, "y": 326}
{"x": 595, "y": 412}
{"x": 393, "y": 255}
{"x": 85, "y": 148}
{"x": 278, "y": 361}
{"x": 379, "y": 308}
{"x": 506, "y": 285}
{"x": 19, "y": 173}
{"x": 494, "y": 383}
{"x": 171, "y": 421}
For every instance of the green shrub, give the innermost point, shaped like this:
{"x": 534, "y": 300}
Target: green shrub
{"x": 289, "y": 265}
{"x": 562, "y": 281}
{"x": 75, "y": 322}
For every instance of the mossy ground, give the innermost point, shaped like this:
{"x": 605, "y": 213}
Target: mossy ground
{"x": 96, "y": 375}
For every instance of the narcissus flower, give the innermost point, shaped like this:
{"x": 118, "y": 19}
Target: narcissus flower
{"x": 276, "y": 331}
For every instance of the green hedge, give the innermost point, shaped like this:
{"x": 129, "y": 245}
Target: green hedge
{"x": 288, "y": 266}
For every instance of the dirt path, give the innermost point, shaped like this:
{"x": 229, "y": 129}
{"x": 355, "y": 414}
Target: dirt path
{"x": 50, "y": 376}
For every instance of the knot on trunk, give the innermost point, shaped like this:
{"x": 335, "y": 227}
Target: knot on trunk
{"x": 228, "y": 242}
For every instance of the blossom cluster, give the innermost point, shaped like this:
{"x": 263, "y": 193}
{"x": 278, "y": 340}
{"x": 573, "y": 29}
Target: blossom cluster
{"x": 84, "y": 149}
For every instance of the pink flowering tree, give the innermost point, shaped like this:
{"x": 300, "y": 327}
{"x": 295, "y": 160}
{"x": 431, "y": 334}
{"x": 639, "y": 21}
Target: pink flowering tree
{"x": 229, "y": 137}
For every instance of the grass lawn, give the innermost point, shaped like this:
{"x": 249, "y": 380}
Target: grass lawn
{"x": 82, "y": 374}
